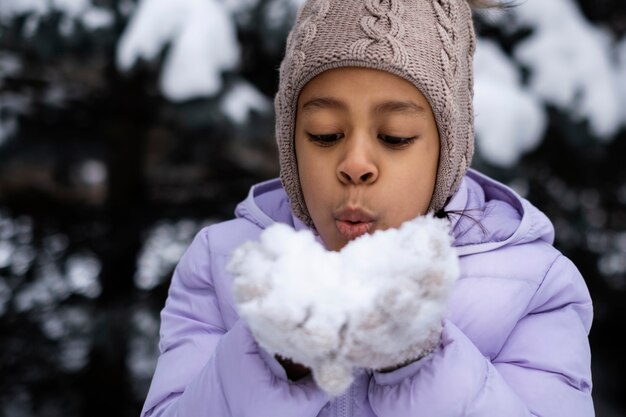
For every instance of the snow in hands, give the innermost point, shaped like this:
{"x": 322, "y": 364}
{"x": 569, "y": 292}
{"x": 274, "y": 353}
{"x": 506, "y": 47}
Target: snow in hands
{"x": 377, "y": 303}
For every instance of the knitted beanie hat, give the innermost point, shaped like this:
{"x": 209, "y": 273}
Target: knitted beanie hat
{"x": 430, "y": 43}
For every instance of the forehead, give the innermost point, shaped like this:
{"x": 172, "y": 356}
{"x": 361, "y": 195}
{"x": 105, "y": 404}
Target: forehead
{"x": 380, "y": 90}
{"x": 375, "y": 91}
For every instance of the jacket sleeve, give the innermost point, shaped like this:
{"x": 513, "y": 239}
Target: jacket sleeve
{"x": 206, "y": 370}
{"x": 543, "y": 368}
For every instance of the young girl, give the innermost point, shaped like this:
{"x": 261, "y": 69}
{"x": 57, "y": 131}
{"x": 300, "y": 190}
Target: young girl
{"x": 375, "y": 128}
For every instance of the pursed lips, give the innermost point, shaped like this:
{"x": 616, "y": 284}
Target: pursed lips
{"x": 353, "y": 222}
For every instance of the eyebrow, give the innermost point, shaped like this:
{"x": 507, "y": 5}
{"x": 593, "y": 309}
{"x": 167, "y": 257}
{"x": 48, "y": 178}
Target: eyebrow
{"x": 390, "y": 106}
{"x": 397, "y": 106}
{"x": 323, "y": 103}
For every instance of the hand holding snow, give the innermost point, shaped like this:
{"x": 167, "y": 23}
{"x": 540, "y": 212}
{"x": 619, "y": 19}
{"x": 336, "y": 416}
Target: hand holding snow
{"x": 377, "y": 303}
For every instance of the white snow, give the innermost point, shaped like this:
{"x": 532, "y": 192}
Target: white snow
{"x": 6, "y": 252}
{"x": 10, "y": 64}
{"x": 621, "y": 76}
{"x": 242, "y": 99}
{"x": 83, "y": 271}
{"x": 8, "y": 128}
{"x": 376, "y": 303}
{"x": 48, "y": 288}
{"x": 12, "y": 8}
{"x": 66, "y": 26}
{"x": 572, "y": 66}
{"x": 11, "y": 105}
{"x": 162, "y": 248}
{"x": 238, "y": 6}
{"x": 570, "y": 63}
{"x": 72, "y": 10}
{"x": 142, "y": 351}
{"x": 92, "y": 172}
{"x": 202, "y": 40}
{"x": 31, "y": 25}
{"x": 97, "y": 18}
{"x": 509, "y": 120}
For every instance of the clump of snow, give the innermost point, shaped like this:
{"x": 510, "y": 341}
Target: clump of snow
{"x": 510, "y": 121}
{"x": 621, "y": 76}
{"x": 6, "y": 252}
{"x": 377, "y": 303}
{"x": 8, "y": 128}
{"x": 72, "y": 328}
{"x": 143, "y": 351}
{"x": 10, "y": 64}
{"x": 202, "y": 40}
{"x": 242, "y": 99}
{"x": 238, "y": 6}
{"x": 11, "y": 104}
{"x": 52, "y": 285}
{"x": 31, "y": 25}
{"x": 97, "y": 18}
{"x": 71, "y": 10}
{"x": 91, "y": 172}
{"x": 162, "y": 248}
{"x": 49, "y": 288}
{"x": 243, "y": 11}
{"x": 570, "y": 63}
{"x": 83, "y": 272}
{"x": 12, "y": 8}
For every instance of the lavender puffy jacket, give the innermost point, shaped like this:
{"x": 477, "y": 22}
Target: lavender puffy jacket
{"x": 515, "y": 339}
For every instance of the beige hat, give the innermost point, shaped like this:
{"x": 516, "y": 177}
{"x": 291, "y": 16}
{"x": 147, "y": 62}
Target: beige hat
{"x": 430, "y": 43}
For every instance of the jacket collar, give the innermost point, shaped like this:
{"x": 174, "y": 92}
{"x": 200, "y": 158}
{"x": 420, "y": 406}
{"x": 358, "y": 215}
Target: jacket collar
{"x": 486, "y": 215}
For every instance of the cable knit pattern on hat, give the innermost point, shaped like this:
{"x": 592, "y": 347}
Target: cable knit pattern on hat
{"x": 307, "y": 31}
{"x": 430, "y": 43}
{"x": 382, "y": 25}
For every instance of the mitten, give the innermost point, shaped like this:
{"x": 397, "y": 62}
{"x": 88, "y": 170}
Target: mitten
{"x": 377, "y": 303}
{"x": 249, "y": 386}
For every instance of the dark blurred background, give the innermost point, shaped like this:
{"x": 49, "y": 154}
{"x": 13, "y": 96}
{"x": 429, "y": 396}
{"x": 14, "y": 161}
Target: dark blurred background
{"x": 126, "y": 126}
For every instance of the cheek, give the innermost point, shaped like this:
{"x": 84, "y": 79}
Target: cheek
{"x": 412, "y": 188}
{"x": 305, "y": 165}
{"x": 407, "y": 199}
{"x": 313, "y": 175}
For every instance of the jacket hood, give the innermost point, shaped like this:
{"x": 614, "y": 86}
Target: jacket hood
{"x": 484, "y": 213}
{"x": 267, "y": 203}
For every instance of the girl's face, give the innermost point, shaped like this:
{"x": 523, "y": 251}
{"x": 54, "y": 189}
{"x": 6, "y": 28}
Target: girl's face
{"x": 367, "y": 148}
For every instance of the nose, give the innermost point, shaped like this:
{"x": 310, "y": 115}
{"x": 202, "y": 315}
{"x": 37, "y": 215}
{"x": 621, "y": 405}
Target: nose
{"x": 357, "y": 165}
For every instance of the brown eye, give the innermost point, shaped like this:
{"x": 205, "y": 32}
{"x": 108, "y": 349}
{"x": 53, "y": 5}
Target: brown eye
{"x": 396, "y": 141}
{"x": 325, "y": 140}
